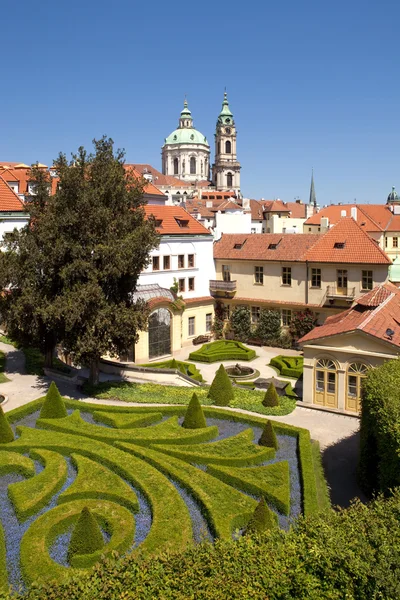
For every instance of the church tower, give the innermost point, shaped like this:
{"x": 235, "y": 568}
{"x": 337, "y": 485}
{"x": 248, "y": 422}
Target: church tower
{"x": 226, "y": 169}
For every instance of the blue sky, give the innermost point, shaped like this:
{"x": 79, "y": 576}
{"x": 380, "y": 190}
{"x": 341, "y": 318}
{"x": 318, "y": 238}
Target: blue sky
{"x": 310, "y": 83}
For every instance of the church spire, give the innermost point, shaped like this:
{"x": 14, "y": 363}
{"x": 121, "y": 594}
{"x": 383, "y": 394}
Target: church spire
{"x": 313, "y": 197}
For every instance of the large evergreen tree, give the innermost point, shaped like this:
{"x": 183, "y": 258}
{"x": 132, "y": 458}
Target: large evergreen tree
{"x": 90, "y": 242}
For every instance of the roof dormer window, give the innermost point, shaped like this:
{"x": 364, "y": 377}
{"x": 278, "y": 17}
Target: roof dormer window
{"x": 339, "y": 245}
{"x": 158, "y": 223}
{"x": 182, "y": 222}
{"x": 239, "y": 245}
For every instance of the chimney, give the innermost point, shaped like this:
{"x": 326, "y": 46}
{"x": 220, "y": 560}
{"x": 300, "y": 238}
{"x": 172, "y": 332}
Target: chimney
{"x": 324, "y": 224}
{"x": 246, "y": 203}
{"x": 343, "y": 213}
{"x": 353, "y": 212}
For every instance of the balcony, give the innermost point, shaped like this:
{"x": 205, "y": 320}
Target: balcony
{"x": 340, "y": 293}
{"x": 222, "y": 288}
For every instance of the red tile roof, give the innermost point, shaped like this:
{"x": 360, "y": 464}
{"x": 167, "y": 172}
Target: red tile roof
{"x": 198, "y": 206}
{"x": 170, "y": 216}
{"x": 202, "y": 299}
{"x": 358, "y": 247}
{"x": 371, "y": 217}
{"x": 257, "y": 210}
{"x": 149, "y": 187}
{"x": 22, "y": 175}
{"x": 372, "y": 320}
{"x": 230, "y": 205}
{"x": 268, "y": 302}
{"x": 9, "y": 201}
{"x": 260, "y": 246}
{"x": 158, "y": 177}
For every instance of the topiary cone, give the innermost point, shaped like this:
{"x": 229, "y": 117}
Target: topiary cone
{"x": 194, "y": 417}
{"x": 271, "y": 397}
{"x": 221, "y": 390}
{"x": 86, "y": 537}
{"x": 6, "y": 433}
{"x": 268, "y": 437}
{"x": 174, "y": 364}
{"x": 262, "y": 519}
{"x": 53, "y": 406}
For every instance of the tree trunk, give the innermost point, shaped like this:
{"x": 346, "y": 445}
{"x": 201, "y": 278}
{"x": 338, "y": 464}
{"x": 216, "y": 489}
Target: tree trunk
{"x": 49, "y": 352}
{"x": 94, "y": 372}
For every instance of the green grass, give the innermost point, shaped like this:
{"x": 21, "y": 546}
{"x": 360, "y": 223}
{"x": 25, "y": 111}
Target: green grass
{"x": 152, "y": 393}
{"x": 222, "y": 350}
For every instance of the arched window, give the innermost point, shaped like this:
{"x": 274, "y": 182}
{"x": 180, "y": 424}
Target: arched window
{"x": 325, "y": 383}
{"x": 356, "y": 372}
{"x": 193, "y": 166}
{"x": 159, "y": 333}
{"x": 176, "y": 166}
{"x": 228, "y": 147}
{"x": 229, "y": 180}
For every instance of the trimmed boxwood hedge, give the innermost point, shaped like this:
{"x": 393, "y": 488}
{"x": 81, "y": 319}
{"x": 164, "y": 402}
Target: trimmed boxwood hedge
{"x": 184, "y": 367}
{"x": 288, "y": 366}
{"x": 222, "y": 350}
{"x": 126, "y": 420}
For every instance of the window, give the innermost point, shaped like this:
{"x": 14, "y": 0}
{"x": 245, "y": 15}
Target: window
{"x": 309, "y": 229}
{"x": 286, "y": 275}
{"x": 181, "y": 261}
{"x": 176, "y": 166}
{"x": 385, "y": 242}
{"x": 166, "y": 263}
{"x": 208, "y": 322}
{"x": 355, "y": 374}
{"x": 190, "y": 261}
{"x": 228, "y": 147}
{"x": 191, "y": 322}
{"x": 181, "y": 285}
{"x": 227, "y": 309}
{"x": 341, "y": 281}
{"x": 395, "y": 242}
{"x": 339, "y": 245}
{"x": 182, "y": 222}
{"x": 253, "y": 230}
{"x": 160, "y": 333}
{"x": 367, "y": 280}
{"x": 156, "y": 263}
{"x": 229, "y": 180}
{"x": 316, "y": 278}
{"x": 226, "y": 272}
{"x": 325, "y": 383}
{"x": 255, "y": 314}
{"x": 259, "y": 275}
{"x": 286, "y": 317}
{"x": 191, "y": 284}
{"x": 193, "y": 166}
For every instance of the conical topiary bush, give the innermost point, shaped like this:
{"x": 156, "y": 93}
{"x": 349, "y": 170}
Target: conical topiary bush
{"x": 174, "y": 364}
{"x": 268, "y": 437}
{"x": 221, "y": 390}
{"x": 86, "y": 537}
{"x": 194, "y": 417}
{"x": 53, "y": 406}
{"x": 271, "y": 397}
{"x": 6, "y": 433}
{"x": 263, "y": 518}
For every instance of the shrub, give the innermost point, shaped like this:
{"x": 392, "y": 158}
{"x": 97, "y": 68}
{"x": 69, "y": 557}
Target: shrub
{"x": 268, "y": 437}
{"x": 184, "y": 367}
{"x": 221, "y": 390}
{"x": 53, "y": 406}
{"x": 194, "y": 417}
{"x": 240, "y": 323}
{"x": 379, "y": 466}
{"x": 6, "y": 433}
{"x": 271, "y": 397}
{"x": 302, "y": 322}
{"x": 269, "y": 325}
{"x": 288, "y": 366}
{"x": 3, "y": 378}
{"x": 262, "y": 519}
{"x": 222, "y": 350}
{"x": 86, "y": 537}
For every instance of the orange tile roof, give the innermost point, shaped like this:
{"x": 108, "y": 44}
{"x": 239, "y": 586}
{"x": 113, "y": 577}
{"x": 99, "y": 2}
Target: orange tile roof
{"x": 158, "y": 177}
{"x": 149, "y": 187}
{"x": 257, "y": 246}
{"x": 22, "y": 175}
{"x": 169, "y": 217}
{"x": 372, "y": 320}
{"x": 260, "y": 301}
{"x": 371, "y": 217}
{"x": 202, "y": 299}
{"x": 230, "y": 205}
{"x": 297, "y": 210}
{"x": 358, "y": 246}
{"x": 257, "y": 210}
{"x": 9, "y": 201}
{"x": 277, "y": 206}
{"x": 198, "y": 206}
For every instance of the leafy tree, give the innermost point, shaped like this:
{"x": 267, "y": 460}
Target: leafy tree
{"x": 271, "y": 397}
{"x": 219, "y": 321}
{"x": 89, "y": 241}
{"x": 240, "y": 323}
{"x": 6, "y": 433}
{"x": 221, "y": 390}
{"x": 194, "y": 417}
{"x": 302, "y": 322}
{"x": 269, "y": 325}
{"x": 53, "y": 407}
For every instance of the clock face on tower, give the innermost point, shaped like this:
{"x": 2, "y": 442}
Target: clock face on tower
{"x": 228, "y": 130}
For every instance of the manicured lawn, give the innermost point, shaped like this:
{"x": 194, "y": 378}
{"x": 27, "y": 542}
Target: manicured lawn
{"x": 154, "y": 469}
{"x": 152, "y": 393}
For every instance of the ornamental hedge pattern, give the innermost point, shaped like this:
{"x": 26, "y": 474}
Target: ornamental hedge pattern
{"x": 222, "y": 350}
{"x": 136, "y": 481}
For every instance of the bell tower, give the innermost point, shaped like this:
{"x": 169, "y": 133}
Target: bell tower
{"x": 226, "y": 169}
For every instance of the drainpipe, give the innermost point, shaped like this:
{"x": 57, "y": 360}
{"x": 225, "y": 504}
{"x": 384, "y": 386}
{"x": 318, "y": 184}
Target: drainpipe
{"x": 306, "y": 283}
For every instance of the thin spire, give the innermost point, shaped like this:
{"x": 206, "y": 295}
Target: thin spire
{"x": 313, "y": 197}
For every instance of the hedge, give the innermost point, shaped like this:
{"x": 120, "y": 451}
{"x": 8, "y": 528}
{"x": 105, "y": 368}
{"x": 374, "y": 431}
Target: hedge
{"x": 237, "y": 450}
{"x": 96, "y": 481}
{"x": 86, "y": 538}
{"x": 222, "y": 350}
{"x": 171, "y": 524}
{"x": 6, "y": 433}
{"x": 31, "y": 495}
{"x": 3, "y": 377}
{"x": 379, "y": 467}
{"x": 225, "y": 507}
{"x": 167, "y": 432}
{"x": 184, "y": 367}
{"x": 288, "y": 366}
{"x": 271, "y": 482}
{"x": 15, "y": 463}
{"x": 53, "y": 405}
{"x": 221, "y": 390}
{"x": 352, "y": 553}
{"x": 126, "y": 420}
{"x": 36, "y": 563}
{"x": 263, "y": 518}
{"x": 194, "y": 416}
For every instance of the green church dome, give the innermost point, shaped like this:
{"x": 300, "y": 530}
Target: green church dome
{"x": 225, "y": 117}
{"x": 393, "y": 197}
{"x": 187, "y": 135}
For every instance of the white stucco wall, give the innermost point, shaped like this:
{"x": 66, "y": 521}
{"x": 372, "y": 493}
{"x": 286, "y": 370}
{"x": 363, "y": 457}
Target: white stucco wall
{"x": 278, "y": 224}
{"x": 11, "y": 223}
{"x": 203, "y": 270}
{"x": 232, "y": 222}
